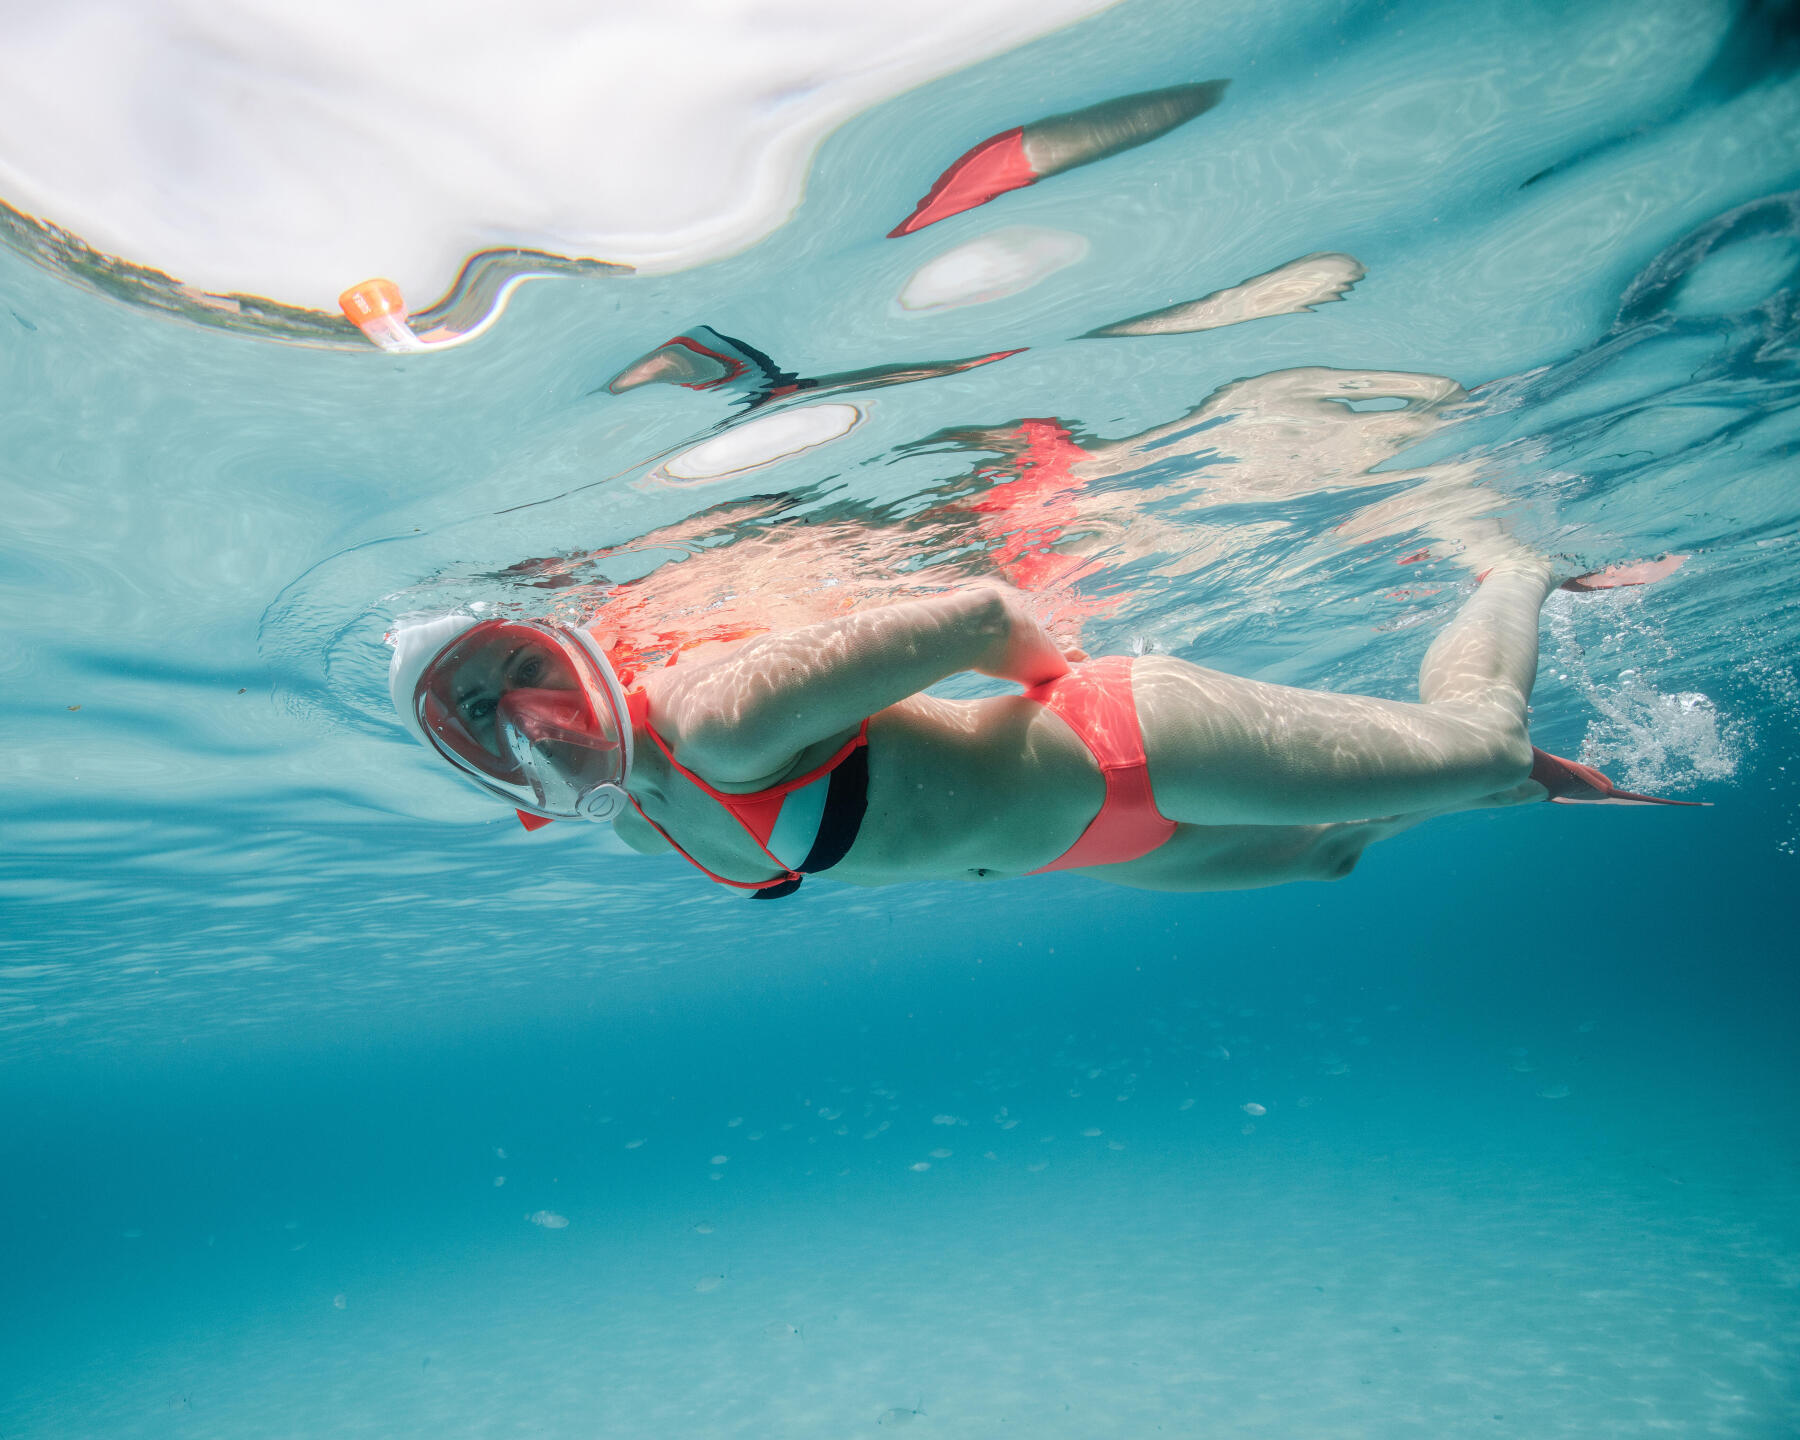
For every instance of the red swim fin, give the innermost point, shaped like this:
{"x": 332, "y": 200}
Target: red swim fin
{"x": 700, "y": 359}
{"x": 1617, "y": 577}
{"x": 1572, "y": 783}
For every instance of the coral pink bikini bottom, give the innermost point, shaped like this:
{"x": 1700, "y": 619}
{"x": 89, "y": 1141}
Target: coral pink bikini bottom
{"x": 1095, "y": 701}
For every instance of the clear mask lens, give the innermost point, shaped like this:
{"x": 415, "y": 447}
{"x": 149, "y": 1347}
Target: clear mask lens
{"x": 532, "y": 714}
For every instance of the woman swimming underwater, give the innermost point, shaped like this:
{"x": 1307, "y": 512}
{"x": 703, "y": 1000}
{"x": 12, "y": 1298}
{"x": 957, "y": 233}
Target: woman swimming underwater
{"x": 816, "y": 749}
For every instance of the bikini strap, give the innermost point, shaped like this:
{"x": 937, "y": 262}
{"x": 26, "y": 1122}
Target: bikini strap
{"x": 786, "y": 877}
{"x": 637, "y": 704}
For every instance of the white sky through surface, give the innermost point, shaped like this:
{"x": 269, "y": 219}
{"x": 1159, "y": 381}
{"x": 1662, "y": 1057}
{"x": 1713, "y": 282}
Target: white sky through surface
{"x": 290, "y": 151}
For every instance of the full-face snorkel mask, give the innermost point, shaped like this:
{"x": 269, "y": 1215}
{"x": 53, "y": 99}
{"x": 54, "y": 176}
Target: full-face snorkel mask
{"x": 529, "y": 710}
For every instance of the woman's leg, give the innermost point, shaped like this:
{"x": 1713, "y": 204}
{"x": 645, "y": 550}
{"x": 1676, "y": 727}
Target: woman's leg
{"x": 1243, "y": 857}
{"x": 1252, "y": 857}
{"x": 1228, "y": 751}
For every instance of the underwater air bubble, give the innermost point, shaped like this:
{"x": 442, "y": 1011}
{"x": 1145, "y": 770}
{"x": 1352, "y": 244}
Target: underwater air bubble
{"x": 548, "y": 1220}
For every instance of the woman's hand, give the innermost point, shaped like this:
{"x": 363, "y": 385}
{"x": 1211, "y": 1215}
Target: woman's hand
{"x": 1023, "y": 650}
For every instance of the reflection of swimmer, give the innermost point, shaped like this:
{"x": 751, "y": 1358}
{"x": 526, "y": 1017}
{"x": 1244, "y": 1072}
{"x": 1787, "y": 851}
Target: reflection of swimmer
{"x": 745, "y": 568}
{"x": 1035, "y": 518}
{"x": 1264, "y": 441}
{"x": 816, "y": 749}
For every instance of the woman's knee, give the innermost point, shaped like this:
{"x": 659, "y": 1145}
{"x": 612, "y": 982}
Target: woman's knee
{"x": 1511, "y": 758}
{"x": 1335, "y": 856}
{"x": 1490, "y": 745}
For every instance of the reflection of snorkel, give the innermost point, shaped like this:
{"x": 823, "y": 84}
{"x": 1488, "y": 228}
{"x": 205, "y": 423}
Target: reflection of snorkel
{"x": 483, "y": 286}
{"x": 376, "y": 308}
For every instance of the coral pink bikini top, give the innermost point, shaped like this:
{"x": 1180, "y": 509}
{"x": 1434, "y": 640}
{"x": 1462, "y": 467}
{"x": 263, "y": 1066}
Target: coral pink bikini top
{"x": 822, "y": 810}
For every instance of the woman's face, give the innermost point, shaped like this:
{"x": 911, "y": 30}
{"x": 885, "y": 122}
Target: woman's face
{"x": 491, "y": 671}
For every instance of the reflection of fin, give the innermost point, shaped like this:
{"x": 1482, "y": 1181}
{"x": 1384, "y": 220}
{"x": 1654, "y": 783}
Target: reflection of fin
{"x": 1616, "y": 577}
{"x": 1286, "y": 290}
{"x": 1018, "y": 157}
{"x": 1572, "y": 783}
{"x": 878, "y": 377}
{"x": 701, "y": 359}
{"x": 993, "y": 167}
{"x": 704, "y": 359}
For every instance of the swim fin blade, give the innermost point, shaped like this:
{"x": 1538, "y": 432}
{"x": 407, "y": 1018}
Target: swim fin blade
{"x": 1617, "y": 577}
{"x": 1572, "y": 783}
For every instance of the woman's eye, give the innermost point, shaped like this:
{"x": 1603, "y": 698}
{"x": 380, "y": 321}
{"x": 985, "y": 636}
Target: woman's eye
{"x": 479, "y": 709}
{"x": 530, "y": 670}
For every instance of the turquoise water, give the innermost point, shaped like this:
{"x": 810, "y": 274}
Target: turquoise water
{"x": 281, "y": 1006}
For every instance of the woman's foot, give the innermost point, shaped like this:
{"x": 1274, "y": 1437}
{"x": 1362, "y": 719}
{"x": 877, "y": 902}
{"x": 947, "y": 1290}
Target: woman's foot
{"x": 1636, "y": 572}
{"x": 1572, "y": 783}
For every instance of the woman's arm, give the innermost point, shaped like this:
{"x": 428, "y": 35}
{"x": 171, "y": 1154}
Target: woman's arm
{"x": 744, "y": 717}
